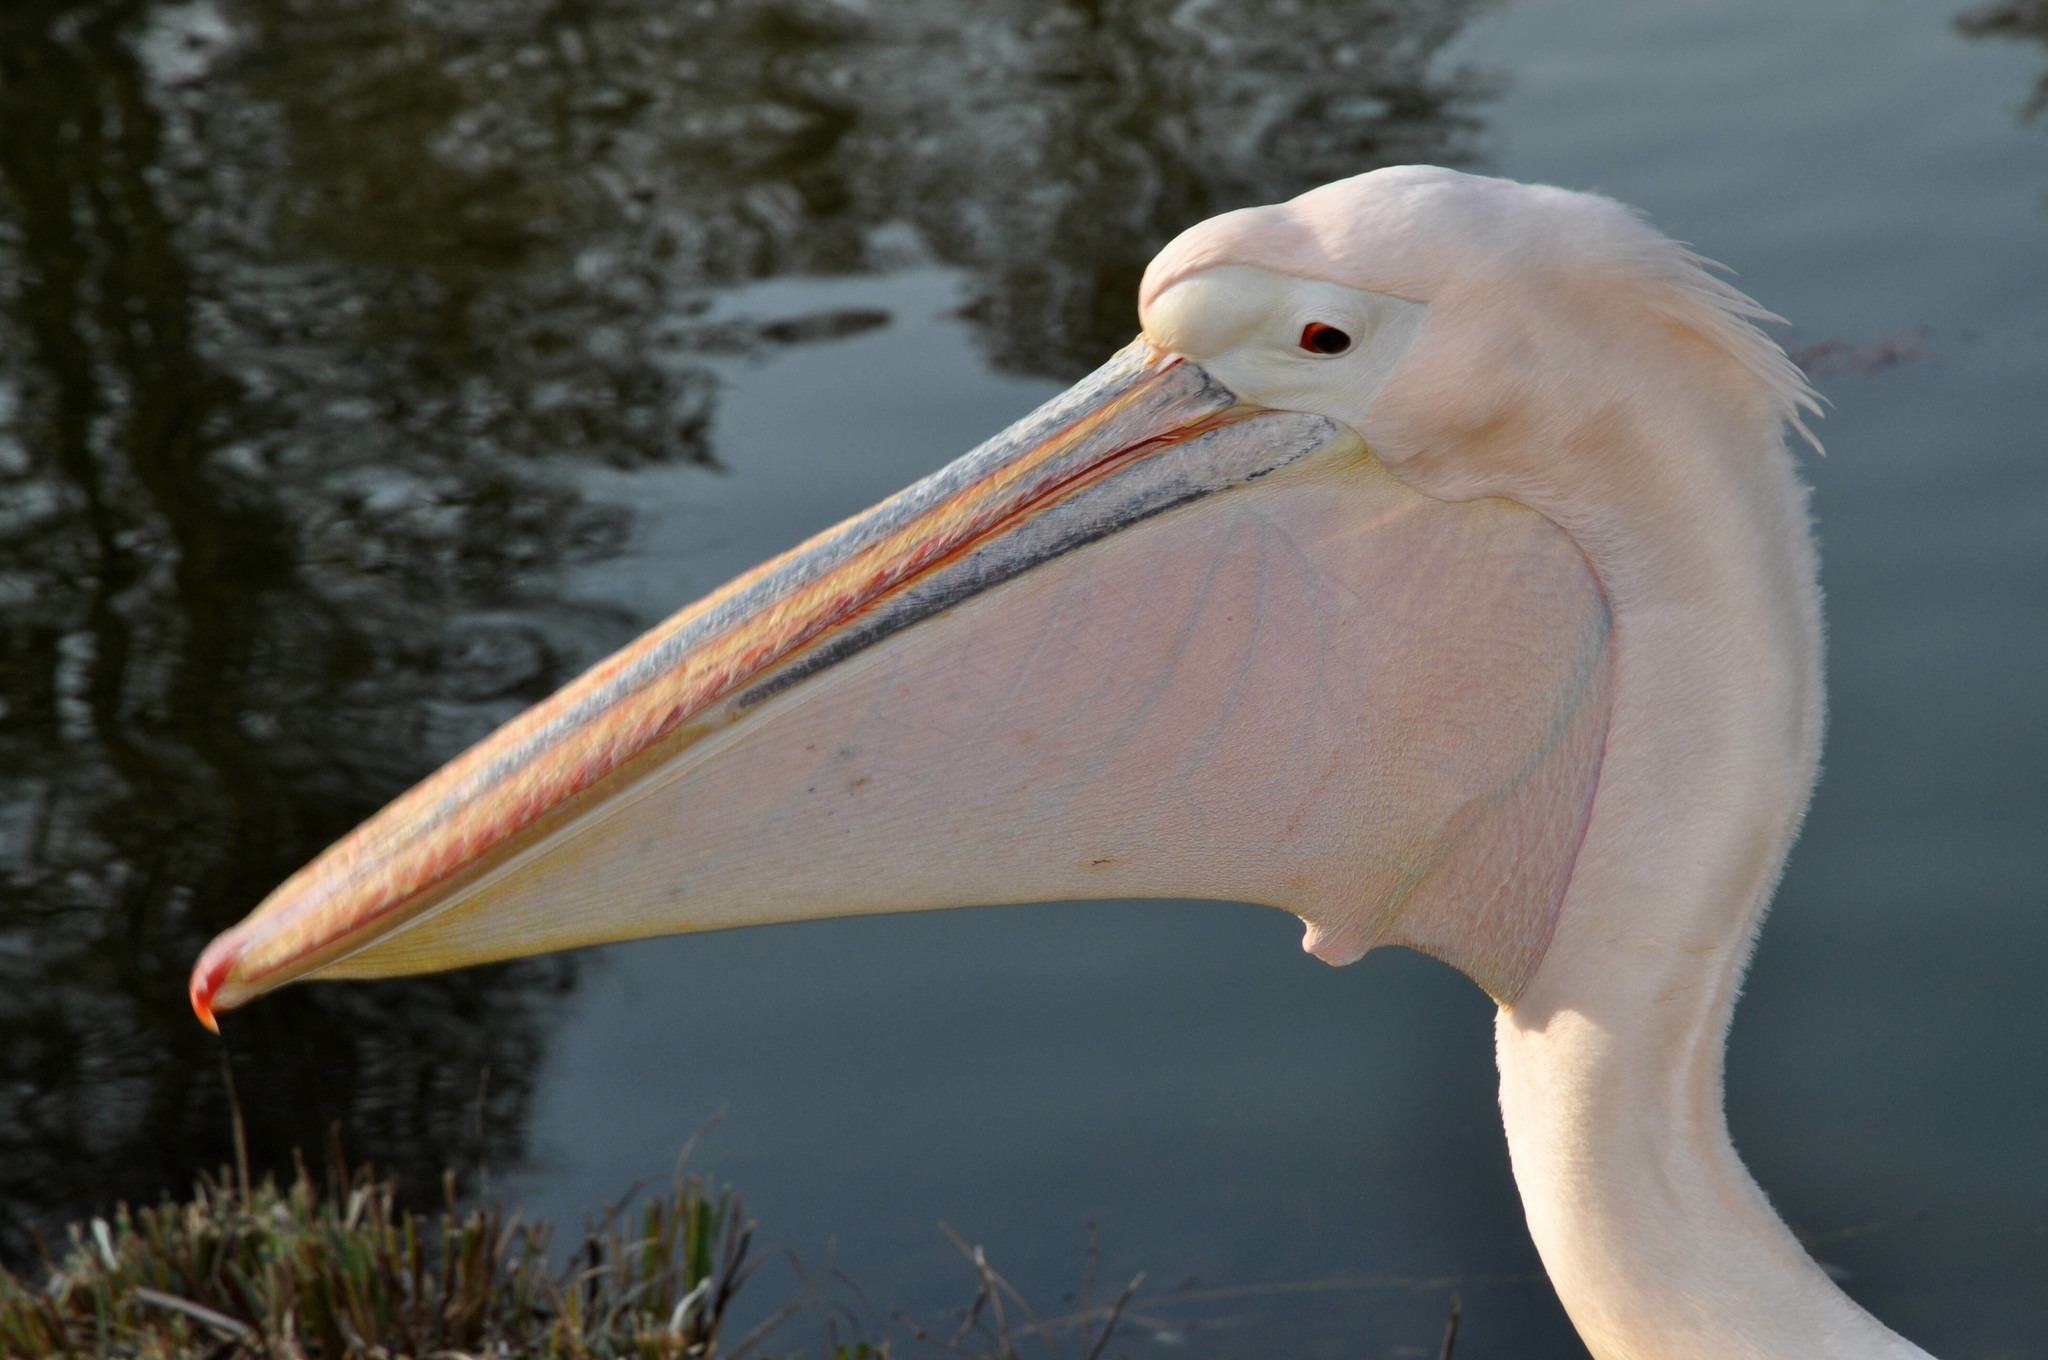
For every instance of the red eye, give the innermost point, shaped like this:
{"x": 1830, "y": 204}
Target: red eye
{"x": 1317, "y": 338}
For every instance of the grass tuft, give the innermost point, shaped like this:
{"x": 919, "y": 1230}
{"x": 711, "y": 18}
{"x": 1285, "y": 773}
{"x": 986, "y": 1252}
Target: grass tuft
{"x": 239, "y": 1272}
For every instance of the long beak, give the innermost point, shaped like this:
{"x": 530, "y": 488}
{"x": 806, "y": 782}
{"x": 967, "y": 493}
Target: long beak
{"x": 1149, "y": 641}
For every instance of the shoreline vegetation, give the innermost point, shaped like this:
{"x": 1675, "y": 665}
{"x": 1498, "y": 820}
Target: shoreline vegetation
{"x": 305, "y": 1271}
{"x": 342, "y": 1269}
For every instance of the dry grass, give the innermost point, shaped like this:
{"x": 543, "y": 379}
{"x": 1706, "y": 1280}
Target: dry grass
{"x": 239, "y": 1272}
{"x": 263, "y": 1272}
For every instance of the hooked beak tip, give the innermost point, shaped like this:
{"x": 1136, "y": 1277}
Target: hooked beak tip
{"x": 208, "y": 975}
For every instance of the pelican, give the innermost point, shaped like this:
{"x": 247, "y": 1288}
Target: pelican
{"x": 1433, "y": 566}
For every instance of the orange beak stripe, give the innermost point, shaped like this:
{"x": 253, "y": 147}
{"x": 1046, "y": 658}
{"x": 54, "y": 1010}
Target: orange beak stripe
{"x": 666, "y": 690}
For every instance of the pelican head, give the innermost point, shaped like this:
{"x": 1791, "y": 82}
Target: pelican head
{"x": 1431, "y": 566}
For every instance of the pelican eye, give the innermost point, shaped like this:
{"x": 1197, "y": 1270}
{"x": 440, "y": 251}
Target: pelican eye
{"x": 1318, "y": 338}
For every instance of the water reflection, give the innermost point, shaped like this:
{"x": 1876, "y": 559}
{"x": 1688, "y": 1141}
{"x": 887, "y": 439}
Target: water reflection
{"x": 310, "y": 311}
{"x": 2017, "y": 20}
{"x": 236, "y": 619}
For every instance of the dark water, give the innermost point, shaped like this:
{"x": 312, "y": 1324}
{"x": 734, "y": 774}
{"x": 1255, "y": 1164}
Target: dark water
{"x": 368, "y": 367}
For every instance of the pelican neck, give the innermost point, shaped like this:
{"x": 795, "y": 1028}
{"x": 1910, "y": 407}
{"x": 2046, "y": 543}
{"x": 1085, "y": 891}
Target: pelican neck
{"x": 1659, "y": 1242}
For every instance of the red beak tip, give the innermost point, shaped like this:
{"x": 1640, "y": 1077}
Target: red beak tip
{"x": 207, "y": 976}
